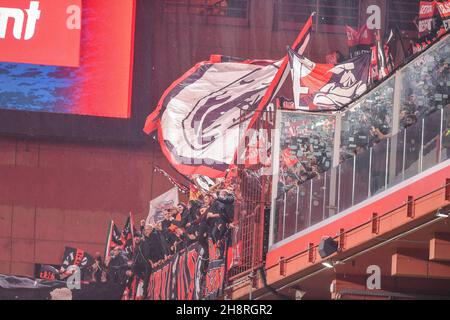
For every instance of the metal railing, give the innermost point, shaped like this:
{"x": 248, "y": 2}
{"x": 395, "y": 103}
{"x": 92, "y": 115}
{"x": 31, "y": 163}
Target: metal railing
{"x": 253, "y": 195}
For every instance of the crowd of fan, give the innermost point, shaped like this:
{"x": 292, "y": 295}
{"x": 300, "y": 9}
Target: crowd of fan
{"x": 304, "y": 155}
{"x": 426, "y": 87}
{"x": 211, "y": 216}
{"x": 367, "y": 123}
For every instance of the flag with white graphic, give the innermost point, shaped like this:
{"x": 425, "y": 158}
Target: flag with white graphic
{"x": 199, "y": 115}
{"x": 327, "y": 86}
{"x": 167, "y": 200}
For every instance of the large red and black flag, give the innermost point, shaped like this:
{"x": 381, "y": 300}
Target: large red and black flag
{"x": 444, "y": 11}
{"x": 433, "y": 22}
{"x": 114, "y": 238}
{"x": 76, "y": 257}
{"x": 199, "y": 115}
{"x": 126, "y": 238}
{"x": 327, "y": 86}
{"x": 359, "y": 41}
{"x": 429, "y": 19}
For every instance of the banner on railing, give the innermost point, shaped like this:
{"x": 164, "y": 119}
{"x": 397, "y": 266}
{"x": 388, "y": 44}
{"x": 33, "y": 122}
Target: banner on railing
{"x": 189, "y": 276}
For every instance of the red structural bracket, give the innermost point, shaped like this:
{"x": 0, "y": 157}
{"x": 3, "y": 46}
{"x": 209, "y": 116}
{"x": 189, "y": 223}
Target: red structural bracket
{"x": 375, "y": 223}
{"x": 410, "y": 207}
{"x": 311, "y": 252}
{"x": 447, "y": 189}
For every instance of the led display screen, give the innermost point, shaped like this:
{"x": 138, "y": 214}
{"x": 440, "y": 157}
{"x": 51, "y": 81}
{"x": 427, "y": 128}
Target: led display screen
{"x": 67, "y": 56}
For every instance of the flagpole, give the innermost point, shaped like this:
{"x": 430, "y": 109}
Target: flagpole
{"x": 279, "y": 78}
{"x": 132, "y": 229}
{"x": 108, "y": 239}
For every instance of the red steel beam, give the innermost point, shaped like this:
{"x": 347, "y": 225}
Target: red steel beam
{"x": 415, "y": 263}
{"x": 440, "y": 247}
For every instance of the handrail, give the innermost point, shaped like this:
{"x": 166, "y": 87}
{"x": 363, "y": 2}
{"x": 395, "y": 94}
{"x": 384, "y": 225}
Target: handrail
{"x": 363, "y": 224}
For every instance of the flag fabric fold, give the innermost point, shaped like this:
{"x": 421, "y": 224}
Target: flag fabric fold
{"x": 326, "y": 86}
{"x": 198, "y": 117}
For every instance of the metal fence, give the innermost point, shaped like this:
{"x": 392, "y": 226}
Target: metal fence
{"x": 253, "y": 194}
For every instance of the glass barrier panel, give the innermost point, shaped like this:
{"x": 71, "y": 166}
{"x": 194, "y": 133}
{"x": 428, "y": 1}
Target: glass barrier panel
{"x": 362, "y": 170}
{"x": 278, "y": 218}
{"x": 304, "y": 197}
{"x": 413, "y": 139}
{"x": 345, "y": 184}
{"x": 378, "y": 167}
{"x": 368, "y": 121}
{"x": 425, "y": 84}
{"x": 306, "y": 144}
{"x": 396, "y": 174}
{"x": 331, "y": 189}
{"x": 290, "y": 212}
{"x": 445, "y": 144}
{"x": 318, "y": 199}
{"x": 431, "y": 135}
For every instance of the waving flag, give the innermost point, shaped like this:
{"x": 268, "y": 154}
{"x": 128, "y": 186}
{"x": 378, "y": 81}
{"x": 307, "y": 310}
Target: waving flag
{"x": 76, "y": 257}
{"x": 127, "y": 236}
{"x": 199, "y": 115}
{"x": 444, "y": 11}
{"x": 327, "y": 86}
{"x": 113, "y": 239}
{"x": 157, "y": 206}
{"x": 363, "y": 36}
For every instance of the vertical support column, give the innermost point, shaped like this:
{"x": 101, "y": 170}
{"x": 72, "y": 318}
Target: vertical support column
{"x": 395, "y": 125}
{"x": 337, "y": 140}
{"x": 441, "y": 133}
{"x": 397, "y": 106}
{"x": 333, "y": 202}
{"x": 324, "y": 195}
{"x": 339, "y": 190}
{"x": 386, "y": 174}
{"x": 284, "y": 213}
{"x": 275, "y": 166}
{"x": 421, "y": 147}
{"x": 310, "y": 202}
{"x": 296, "y": 208}
{"x": 404, "y": 155}
{"x": 353, "y": 180}
{"x": 369, "y": 191}
{"x": 332, "y": 192}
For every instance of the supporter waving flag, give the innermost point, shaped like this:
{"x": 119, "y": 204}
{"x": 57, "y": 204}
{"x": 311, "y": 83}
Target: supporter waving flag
{"x": 327, "y": 86}
{"x": 199, "y": 115}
